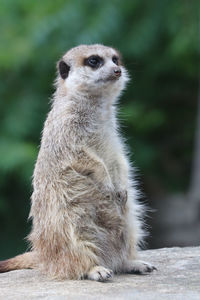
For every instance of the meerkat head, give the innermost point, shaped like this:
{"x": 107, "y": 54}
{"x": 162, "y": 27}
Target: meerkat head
{"x": 94, "y": 69}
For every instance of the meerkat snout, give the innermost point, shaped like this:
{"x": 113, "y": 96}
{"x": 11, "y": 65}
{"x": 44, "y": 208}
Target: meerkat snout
{"x": 117, "y": 72}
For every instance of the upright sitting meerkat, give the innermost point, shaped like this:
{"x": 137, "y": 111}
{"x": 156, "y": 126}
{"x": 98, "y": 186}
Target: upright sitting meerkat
{"x": 86, "y": 219}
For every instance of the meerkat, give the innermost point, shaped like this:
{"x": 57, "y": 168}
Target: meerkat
{"x": 87, "y": 222}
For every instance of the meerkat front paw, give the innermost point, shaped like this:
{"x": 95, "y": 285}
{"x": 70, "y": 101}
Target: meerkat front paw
{"x": 139, "y": 267}
{"x": 100, "y": 273}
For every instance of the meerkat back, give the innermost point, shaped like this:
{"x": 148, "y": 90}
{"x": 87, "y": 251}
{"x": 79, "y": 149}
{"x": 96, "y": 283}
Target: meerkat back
{"x": 85, "y": 214}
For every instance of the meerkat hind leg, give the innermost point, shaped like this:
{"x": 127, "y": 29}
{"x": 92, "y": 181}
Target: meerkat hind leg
{"x": 99, "y": 273}
{"x": 139, "y": 267}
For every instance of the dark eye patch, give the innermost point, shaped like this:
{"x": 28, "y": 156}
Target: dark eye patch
{"x": 94, "y": 61}
{"x": 115, "y": 59}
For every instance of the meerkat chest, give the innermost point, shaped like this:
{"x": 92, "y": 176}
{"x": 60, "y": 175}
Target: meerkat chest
{"x": 107, "y": 146}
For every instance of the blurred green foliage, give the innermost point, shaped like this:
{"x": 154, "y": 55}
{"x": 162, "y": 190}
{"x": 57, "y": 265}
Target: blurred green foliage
{"x": 159, "y": 43}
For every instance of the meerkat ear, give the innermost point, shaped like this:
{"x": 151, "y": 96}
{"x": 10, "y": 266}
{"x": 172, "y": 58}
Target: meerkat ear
{"x": 63, "y": 69}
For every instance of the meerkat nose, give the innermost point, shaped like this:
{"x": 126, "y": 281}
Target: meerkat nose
{"x": 117, "y": 72}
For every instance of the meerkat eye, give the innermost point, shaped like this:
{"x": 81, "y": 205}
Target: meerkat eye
{"x": 94, "y": 61}
{"x": 63, "y": 69}
{"x": 115, "y": 59}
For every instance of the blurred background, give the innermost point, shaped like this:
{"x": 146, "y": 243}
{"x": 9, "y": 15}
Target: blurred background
{"x": 159, "y": 112}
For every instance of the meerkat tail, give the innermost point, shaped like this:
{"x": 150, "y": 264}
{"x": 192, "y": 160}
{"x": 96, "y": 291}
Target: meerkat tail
{"x": 22, "y": 261}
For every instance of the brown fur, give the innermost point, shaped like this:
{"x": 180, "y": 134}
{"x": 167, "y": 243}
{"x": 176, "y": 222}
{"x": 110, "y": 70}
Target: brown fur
{"x": 86, "y": 219}
{"x": 27, "y": 260}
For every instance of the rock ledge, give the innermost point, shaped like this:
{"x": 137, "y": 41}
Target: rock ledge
{"x": 178, "y": 277}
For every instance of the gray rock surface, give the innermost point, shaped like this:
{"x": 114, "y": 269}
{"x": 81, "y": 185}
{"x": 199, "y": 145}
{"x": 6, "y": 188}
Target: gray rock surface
{"x": 178, "y": 277}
